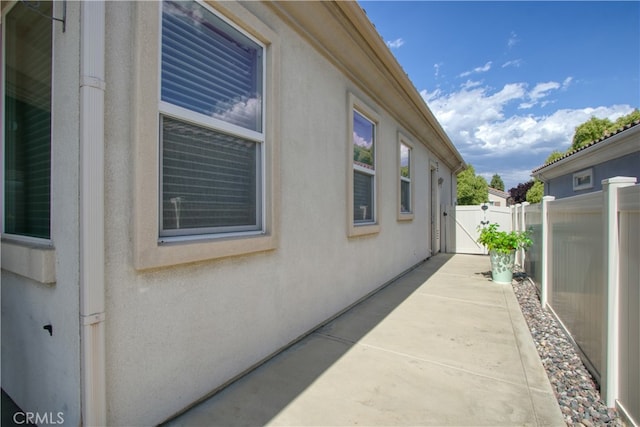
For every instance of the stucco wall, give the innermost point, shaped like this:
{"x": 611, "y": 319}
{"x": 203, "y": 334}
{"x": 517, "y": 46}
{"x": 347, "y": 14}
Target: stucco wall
{"x": 175, "y": 334}
{"x": 501, "y": 200}
{"x": 40, "y": 372}
{"x": 562, "y": 186}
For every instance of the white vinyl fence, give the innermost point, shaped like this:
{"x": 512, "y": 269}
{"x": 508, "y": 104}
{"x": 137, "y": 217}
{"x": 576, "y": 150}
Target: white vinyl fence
{"x": 463, "y": 223}
{"x": 586, "y": 262}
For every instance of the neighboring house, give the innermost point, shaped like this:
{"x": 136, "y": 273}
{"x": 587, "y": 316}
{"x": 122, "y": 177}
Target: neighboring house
{"x": 498, "y": 197}
{"x": 190, "y": 187}
{"x": 582, "y": 171}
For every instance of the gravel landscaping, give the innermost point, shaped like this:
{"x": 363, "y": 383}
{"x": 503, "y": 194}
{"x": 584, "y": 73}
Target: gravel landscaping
{"x": 577, "y": 393}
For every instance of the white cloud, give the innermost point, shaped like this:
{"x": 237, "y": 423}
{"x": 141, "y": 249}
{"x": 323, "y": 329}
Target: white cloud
{"x": 475, "y": 120}
{"x": 566, "y": 82}
{"x": 513, "y": 63}
{"x": 360, "y": 141}
{"x": 436, "y": 68}
{"x": 242, "y": 111}
{"x": 539, "y": 91}
{"x": 513, "y": 40}
{"x": 486, "y": 67}
{"x": 469, "y": 84}
{"x": 395, "y": 43}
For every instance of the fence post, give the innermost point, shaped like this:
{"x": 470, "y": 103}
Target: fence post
{"x": 610, "y": 215}
{"x": 523, "y": 227}
{"x": 545, "y": 251}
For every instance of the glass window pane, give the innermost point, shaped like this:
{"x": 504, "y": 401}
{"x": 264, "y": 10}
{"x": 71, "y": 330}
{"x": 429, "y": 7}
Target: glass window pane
{"x": 209, "y": 180}
{"x": 405, "y": 153}
{"x": 363, "y": 141}
{"x": 362, "y": 197}
{"x": 28, "y": 121}
{"x": 405, "y": 196}
{"x": 210, "y": 67}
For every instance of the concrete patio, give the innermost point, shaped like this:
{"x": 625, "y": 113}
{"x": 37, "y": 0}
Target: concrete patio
{"x": 443, "y": 345}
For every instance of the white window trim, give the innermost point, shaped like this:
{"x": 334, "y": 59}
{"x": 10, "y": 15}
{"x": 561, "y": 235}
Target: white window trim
{"x": 30, "y": 257}
{"x": 148, "y": 251}
{"x": 582, "y": 174}
{"x": 405, "y": 216}
{"x": 361, "y": 229}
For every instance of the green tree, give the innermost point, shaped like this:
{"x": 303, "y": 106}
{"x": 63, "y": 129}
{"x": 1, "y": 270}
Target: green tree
{"x": 594, "y": 129}
{"x": 496, "y": 182}
{"x": 535, "y": 193}
{"x": 590, "y": 130}
{"x": 626, "y": 120}
{"x": 472, "y": 189}
{"x": 555, "y": 155}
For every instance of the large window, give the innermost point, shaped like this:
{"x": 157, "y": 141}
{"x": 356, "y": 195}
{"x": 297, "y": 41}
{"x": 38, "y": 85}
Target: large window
{"x": 27, "y": 121}
{"x": 364, "y": 169}
{"x": 362, "y": 185}
{"x": 211, "y": 124}
{"x": 405, "y": 179}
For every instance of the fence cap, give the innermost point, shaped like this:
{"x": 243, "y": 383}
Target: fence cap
{"x": 620, "y": 180}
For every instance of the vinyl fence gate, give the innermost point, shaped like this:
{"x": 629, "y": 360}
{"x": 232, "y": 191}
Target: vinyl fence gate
{"x": 463, "y": 222}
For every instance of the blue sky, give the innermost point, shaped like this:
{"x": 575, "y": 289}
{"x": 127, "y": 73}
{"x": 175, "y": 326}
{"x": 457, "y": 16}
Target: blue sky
{"x": 509, "y": 81}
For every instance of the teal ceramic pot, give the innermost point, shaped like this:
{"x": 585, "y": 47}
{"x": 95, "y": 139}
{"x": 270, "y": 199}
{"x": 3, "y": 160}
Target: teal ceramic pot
{"x": 502, "y": 267}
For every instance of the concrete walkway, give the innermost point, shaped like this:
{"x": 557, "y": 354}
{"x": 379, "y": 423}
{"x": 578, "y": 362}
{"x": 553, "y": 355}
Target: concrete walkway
{"x": 443, "y": 345}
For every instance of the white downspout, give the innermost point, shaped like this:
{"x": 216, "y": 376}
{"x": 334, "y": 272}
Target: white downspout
{"x": 92, "y": 316}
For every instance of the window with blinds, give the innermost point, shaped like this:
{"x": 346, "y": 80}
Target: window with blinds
{"x": 405, "y": 179}
{"x": 27, "y": 121}
{"x": 211, "y": 124}
{"x": 364, "y": 169}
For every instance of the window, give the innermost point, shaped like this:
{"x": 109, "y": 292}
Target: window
{"x": 583, "y": 180}
{"x": 206, "y": 181}
{"x": 364, "y": 169}
{"x": 211, "y": 125}
{"x": 362, "y": 175}
{"x": 404, "y": 184}
{"x": 27, "y": 121}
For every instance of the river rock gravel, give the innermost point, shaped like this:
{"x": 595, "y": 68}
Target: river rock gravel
{"x": 574, "y": 387}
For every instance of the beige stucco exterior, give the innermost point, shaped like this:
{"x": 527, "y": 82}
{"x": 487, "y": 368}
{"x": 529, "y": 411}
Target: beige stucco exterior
{"x": 183, "y": 320}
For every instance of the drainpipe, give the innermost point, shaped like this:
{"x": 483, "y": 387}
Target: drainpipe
{"x": 92, "y": 316}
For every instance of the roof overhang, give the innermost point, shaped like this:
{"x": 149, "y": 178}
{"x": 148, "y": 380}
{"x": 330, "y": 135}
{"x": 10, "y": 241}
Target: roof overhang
{"x": 342, "y": 32}
{"x": 618, "y": 145}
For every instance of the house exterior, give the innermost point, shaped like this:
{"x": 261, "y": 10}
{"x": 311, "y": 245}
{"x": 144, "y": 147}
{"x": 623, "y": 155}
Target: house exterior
{"x": 582, "y": 171}
{"x": 498, "y": 197}
{"x": 189, "y": 187}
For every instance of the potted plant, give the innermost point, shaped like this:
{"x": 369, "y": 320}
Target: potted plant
{"x": 502, "y": 247}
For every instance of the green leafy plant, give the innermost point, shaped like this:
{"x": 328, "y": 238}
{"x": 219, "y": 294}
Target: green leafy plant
{"x": 503, "y": 241}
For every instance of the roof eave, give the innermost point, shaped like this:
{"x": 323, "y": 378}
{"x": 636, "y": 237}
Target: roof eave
{"x": 617, "y": 145}
{"x": 353, "y": 41}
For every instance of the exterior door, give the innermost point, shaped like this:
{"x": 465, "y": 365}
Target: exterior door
{"x": 435, "y": 210}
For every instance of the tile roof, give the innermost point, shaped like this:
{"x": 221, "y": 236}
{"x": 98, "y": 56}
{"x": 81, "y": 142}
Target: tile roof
{"x": 590, "y": 144}
{"x": 499, "y": 193}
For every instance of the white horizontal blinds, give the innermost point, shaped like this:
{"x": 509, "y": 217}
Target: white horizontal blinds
{"x": 209, "y": 179}
{"x": 405, "y": 196}
{"x": 362, "y": 197}
{"x": 28, "y": 49}
{"x": 210, "y": 67}
{"x": 364, "y": 169}
{"x": 210, "y": 171}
